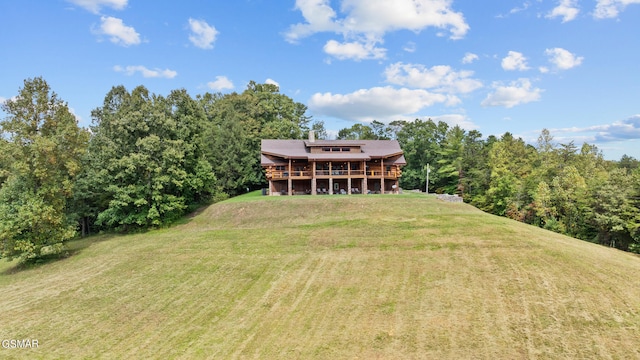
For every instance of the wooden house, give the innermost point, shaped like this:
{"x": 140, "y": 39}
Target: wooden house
{"x": 319, "y": 167}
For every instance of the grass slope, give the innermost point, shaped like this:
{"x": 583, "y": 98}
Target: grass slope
{"x": 329, "y": 277}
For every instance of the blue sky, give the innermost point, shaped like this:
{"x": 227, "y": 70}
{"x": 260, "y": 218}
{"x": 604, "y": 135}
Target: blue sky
{"x": 572, "y": 66}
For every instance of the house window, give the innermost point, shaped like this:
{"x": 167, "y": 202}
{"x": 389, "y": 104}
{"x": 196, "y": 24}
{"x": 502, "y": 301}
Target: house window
{"x": 335, "y": 149}
{"x": 326, "y": 149}
{"x": 346, "y": 149}
{"x": 280, "y": 167}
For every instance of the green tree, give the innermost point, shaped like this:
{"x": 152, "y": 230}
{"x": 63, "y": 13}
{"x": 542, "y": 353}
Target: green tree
{"x": 476, "y": 178}
{"x": 569, "y": 198}
{"x": 510, "y": 163}
{"x": 5, "y": 160}
{"x": 236, "y": 124}
{"x": 545, "y": 212}
{"x": 633, "y": 224}
{"x": 381, "y": 131}
{"x": 613, "y": 212}
{"x": 44, "y": 145}
{"x": 628, "y": 162}
{"x": 147, "y": 160}
{"x": 547, "y": 164}
{"x": 319, "y": 130}
{"x": 451, "y": 162}
{"x": 356, "y": 132}
{"x": 421, "y": 142}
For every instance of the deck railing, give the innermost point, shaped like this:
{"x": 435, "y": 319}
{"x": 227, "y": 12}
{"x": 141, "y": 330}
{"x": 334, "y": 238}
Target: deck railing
{"x": 378, "y": 173}
{"x": 339, "y": 172}
{"x": 287, "y": 174}
{"x": 369, "y": 173}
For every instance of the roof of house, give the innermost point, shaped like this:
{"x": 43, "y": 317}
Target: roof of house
{"x": 274, "y": 151}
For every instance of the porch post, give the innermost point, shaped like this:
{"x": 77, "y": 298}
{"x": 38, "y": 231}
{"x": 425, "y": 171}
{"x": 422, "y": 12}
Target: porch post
{"x": 365, "y": 189}
{"x": 330, "y": 178}
{"x": 314, "y": 185}
{"x": 289, "y": 181}
{"x": 348, "y": 177}
{"x": 270, "y": 187}
{"x": 382, "y": 178}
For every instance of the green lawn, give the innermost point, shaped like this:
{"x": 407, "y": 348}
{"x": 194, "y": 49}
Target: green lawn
{"x": 329, "y": 277}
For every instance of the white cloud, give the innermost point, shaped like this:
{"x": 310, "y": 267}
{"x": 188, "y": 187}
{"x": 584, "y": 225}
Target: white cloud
{"x": 563, "y": 59}
{"x": 319, "y": 16}
{"x": 516, "y": 93}
{"x": 567, "y": 9}
{"x": 628, "y": 129}
{"x": 119, "y": 33}
{"x": 524, "y": 7}
{"x": 95, "y": 5}
{"x": 410, "y": 47}
{"x": 272, "y": 82}
{"x": 353, "y": 50}
{"x": 606, "y": 9}
{"x": 456, "y": 119}
{"x": 515, "y": 10}
{"x": 620, "y": 130}
{"x": 220, "y": 83}
{"x": 469, "y": 58}
{"x": 515, "y": 61}
{"x": 378, "y": 103}
{"x": 367, "y": 21}
{"x": 202, "y": 34}
{"x": 376, "y": 17}
{"x": 148, "y": 73}
{"x": 440, "y": 78}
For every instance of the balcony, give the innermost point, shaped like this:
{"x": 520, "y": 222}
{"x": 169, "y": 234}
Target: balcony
{"x": 387, "y": 173}
{"x": 307, "y": 174}
{"x": 278, "y": 175}
{"x": 327, "y": 173}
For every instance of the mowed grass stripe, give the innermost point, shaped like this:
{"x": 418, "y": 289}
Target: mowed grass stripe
{"x": 329, "y": 277}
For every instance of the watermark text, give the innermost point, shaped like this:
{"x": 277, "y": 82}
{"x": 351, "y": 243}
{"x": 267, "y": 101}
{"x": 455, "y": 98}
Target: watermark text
{"x": 19, "y": 343}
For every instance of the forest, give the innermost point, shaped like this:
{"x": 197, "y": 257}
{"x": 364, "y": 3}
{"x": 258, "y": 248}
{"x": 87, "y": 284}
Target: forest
{"x": 147, "y": 160}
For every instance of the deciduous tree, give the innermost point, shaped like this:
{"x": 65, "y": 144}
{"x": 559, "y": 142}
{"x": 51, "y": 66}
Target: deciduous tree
{"x": 146, "y": 157}
{"x": 44, "y": 145}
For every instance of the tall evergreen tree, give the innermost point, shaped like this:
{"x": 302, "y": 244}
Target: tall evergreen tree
{"x": 476, "y": 177}
{"x": 451, "y": 163}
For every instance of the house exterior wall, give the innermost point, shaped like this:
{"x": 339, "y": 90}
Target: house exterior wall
{"x": 336, "y": 168}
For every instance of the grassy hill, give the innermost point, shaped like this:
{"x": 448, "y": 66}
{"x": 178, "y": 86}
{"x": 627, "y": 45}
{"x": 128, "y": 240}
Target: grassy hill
{"x": 324, "y": 277}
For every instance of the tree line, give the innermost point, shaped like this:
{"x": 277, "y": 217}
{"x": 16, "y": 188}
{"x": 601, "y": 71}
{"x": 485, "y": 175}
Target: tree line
{"x": 560, "y": 187}
{"x": 147, "y": 160}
